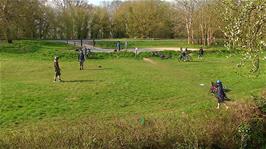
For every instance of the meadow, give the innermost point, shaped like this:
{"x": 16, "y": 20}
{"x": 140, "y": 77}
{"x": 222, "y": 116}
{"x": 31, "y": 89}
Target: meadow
{"x": 152, "y": 43}
{"x": 121, "y": 101}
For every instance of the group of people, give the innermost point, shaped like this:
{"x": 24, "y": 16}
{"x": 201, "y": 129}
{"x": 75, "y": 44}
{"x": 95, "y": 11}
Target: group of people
{"x": 218, "y": 91}
{"x": 118, "y": 46}
{"x": 184, "y": 54}
{"x": 83, "y": 54}
{"x": 216, "y": 88}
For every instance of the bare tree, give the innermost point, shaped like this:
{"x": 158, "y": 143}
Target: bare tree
{"x": 187, "y": 9}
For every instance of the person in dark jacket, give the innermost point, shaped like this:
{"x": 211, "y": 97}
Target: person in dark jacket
{"x": 93, "y": 43}
{"x": 201, "y": 52}
{"x": 220, "y": 95}
{"x": 81, "y": 59}
{"x": 57, "y": 69}
{"x": 118, "y": 45}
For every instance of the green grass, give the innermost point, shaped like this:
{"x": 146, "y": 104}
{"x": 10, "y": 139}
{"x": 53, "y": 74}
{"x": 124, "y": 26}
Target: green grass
{"x": 133, "y": 43}
{"x": 123, "y": 87}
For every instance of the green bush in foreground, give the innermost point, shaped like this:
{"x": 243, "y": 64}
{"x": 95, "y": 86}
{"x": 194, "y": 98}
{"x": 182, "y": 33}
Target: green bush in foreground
{"x": 223, "y": 131}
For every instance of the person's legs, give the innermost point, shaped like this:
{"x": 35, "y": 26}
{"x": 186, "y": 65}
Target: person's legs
{"x": 225, "y": 105}
{"x": 219, "y": 101}
{"x": 81, "y": 65}
{"x": 59, "y": 78}
{"x": 182, "y": 57}
{"x": 218, "y": 106}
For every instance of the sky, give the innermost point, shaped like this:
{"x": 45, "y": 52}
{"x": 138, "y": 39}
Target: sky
{"x": 97, "y": 2}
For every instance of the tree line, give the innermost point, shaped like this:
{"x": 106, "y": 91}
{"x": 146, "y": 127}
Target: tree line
{"x": 200, "y": 21}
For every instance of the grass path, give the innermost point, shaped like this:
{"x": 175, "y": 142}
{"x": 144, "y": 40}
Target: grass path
{"x": 98, "y": 48}
{"x": 149, "y": 61}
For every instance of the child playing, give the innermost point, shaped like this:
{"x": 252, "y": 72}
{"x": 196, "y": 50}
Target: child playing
{"x": 220, "y": 94}
{"x": 57, "y": 69}
{"x": 81, "y": 59}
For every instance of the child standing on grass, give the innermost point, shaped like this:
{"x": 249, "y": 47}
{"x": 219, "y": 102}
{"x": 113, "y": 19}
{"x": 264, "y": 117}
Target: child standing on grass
{"x": 57, "y": 69}
{"x": 220, "y": 95}
{"x": 81, "y": 59}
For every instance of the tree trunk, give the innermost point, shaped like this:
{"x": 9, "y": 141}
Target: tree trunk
{"x": 9, "y": 36}
{"x": 188, "y": 32}
{"x": 192, "y": 36}
{"x": 208, "y": 36}
{"x": 202, "y": 34}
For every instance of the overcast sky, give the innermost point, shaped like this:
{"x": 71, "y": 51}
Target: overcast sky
{"x": 97, "y": 2}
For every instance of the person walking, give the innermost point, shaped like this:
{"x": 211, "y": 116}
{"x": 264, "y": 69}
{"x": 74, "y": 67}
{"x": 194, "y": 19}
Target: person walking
{"x": 181, "y": 57}
{"x": 118, "y": 45}
{"x": 201, "y": 53}
{"x": 93, "y": 42}
{"x": 126, "y": 44}
{"x": 136, "y": 51}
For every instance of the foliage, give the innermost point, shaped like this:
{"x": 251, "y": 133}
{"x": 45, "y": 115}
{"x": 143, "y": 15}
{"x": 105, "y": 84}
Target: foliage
{"x": 244, "y": 131}
{"x": 245, "y": 28}
{"x": 67, "y": 19}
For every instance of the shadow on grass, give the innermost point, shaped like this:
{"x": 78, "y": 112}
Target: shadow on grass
{"x": 98, "y": 69}
{"x": 81, "y": 81}
{"x": 227, "y": 90}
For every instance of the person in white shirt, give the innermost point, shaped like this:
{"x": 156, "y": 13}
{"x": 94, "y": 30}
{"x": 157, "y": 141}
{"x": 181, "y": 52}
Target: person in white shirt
{"x": 136, "y": 52}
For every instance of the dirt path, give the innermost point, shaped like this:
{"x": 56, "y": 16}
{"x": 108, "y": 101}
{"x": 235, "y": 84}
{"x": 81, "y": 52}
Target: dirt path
{"x": 87, "y": 44}
{"x": 149, "y": 61}
{"x": 169, "y": 49}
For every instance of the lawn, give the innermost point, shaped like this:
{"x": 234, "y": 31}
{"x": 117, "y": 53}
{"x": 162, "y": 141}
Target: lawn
{"x": 122, "y": 88}
{"x": 133, "y": 43}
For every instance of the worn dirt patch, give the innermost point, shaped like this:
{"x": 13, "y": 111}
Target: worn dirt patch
{"x": 149, "y": 61}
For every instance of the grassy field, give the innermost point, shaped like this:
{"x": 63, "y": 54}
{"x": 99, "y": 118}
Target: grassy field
{"x": 133, "y": 43}
{"x": 124, "y": 91}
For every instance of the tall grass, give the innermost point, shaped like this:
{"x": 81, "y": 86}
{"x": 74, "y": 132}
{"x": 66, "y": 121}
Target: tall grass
{"x": 173, "y": 131}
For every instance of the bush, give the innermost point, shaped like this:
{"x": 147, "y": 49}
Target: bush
{"x": 260, "y": 102}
